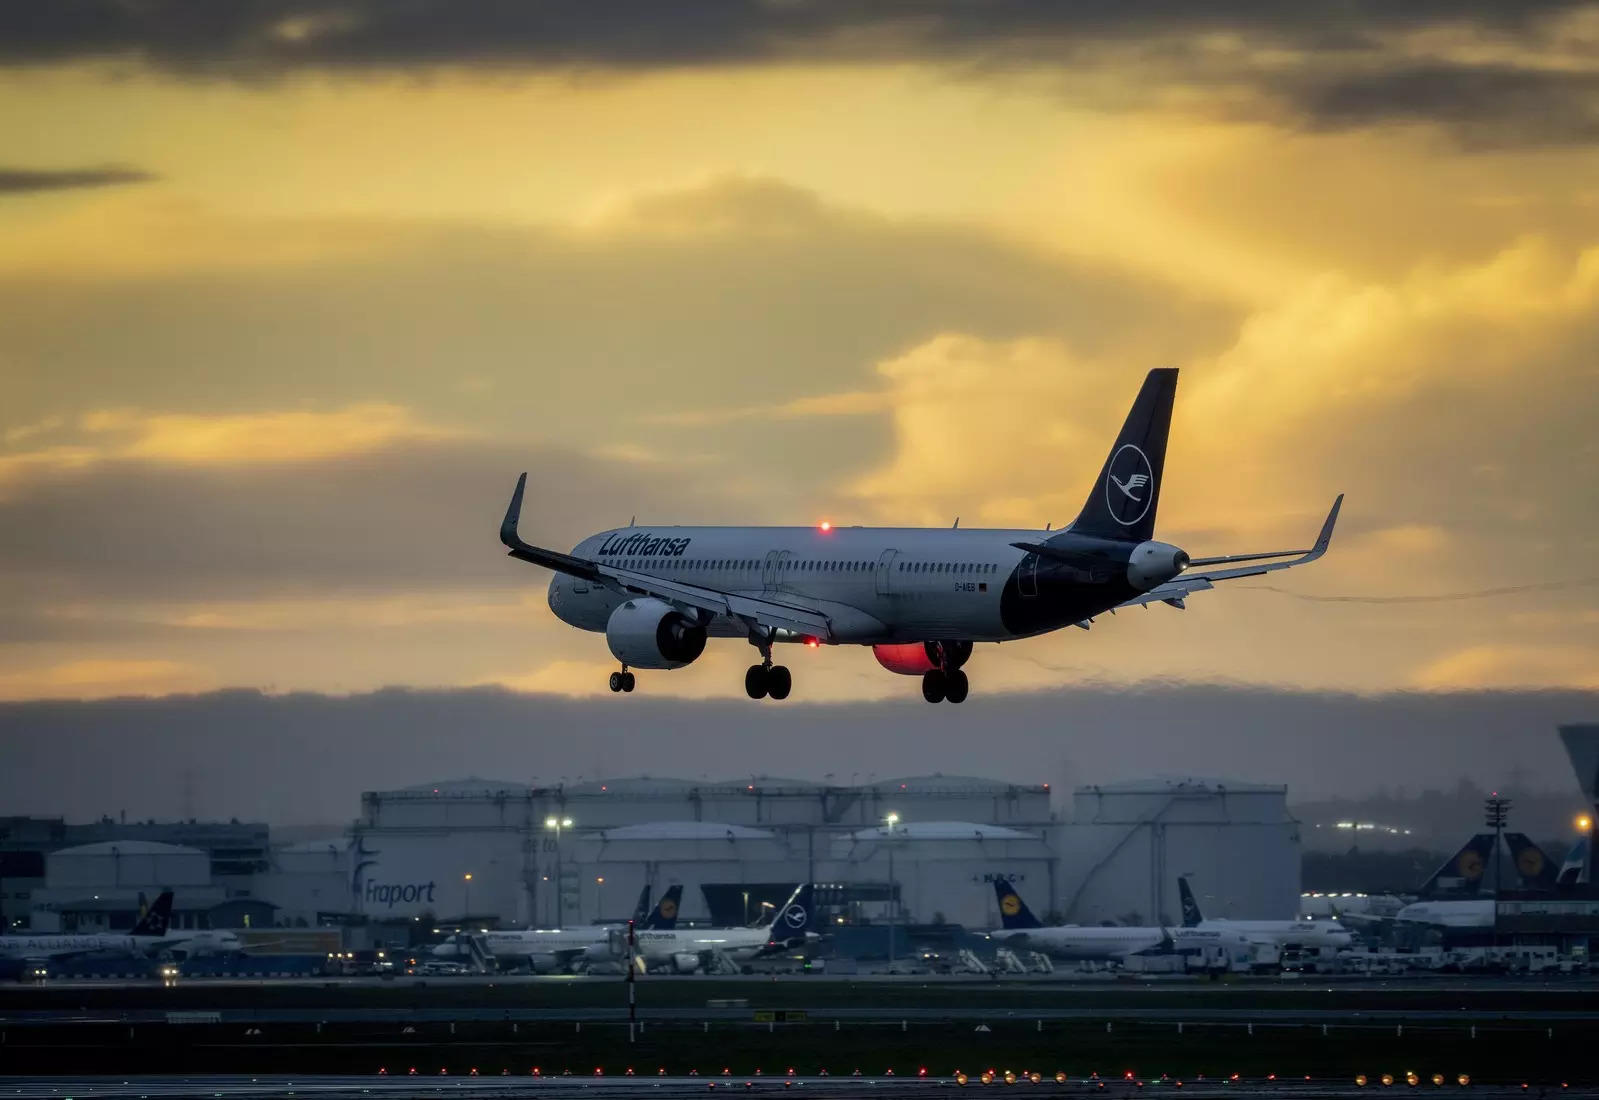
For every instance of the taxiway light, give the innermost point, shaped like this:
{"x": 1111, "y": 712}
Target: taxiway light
{"x": 1360, "y": 1080}
{"x": 1411, "y": 1079}
{"x": 1386, "y": 1079}
{"x": 1438, "y": 1079}
{"x": 1464, "y": 1079}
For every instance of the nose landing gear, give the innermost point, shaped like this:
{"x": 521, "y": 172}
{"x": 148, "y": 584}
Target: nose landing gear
{"x": 622, "y": 681}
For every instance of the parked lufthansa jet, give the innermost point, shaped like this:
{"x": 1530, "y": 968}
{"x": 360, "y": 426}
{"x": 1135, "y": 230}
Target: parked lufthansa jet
{"x": 919, "y": 597}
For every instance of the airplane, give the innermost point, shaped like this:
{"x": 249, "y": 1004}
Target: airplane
{"x": 920, "y": 598}
{"x": 148, "y": 934}
{"x": 545, "y": 950}
{"x": 791, "y": 924}
{"x": 1533, "y": 867}
{"x": 1107, "y": 943}
{"x": 1278, "y": 933}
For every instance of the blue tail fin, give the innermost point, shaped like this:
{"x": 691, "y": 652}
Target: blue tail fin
{"x": 1121, "y": 505}
{"x": 795, "y": 918}
{"x": 158, "y": 918}
{"x": 1192, "y": 917}
{"x": 1537, "y": 871}
{"x": 1013, "y": 911}
{"x": 663, "y": 918}
{"x": 1571, "y": 871}
{"x": 1462, "y": 872}
{"x": 642, "y": 909}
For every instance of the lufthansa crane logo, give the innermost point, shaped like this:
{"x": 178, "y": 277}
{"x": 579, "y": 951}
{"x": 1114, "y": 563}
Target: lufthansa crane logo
{"x": 1530, "y": 863}
{"x": 1129, "y": 485}
{"x": 1010, "y": 905}
{"x": 795, "y": 916}
{"x": 668, "y": 908}
{"x": 1469, "y": 864}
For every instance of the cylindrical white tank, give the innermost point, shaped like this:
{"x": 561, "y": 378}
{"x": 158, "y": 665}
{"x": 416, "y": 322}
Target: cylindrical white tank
{"x": 120, "y": 864}
{"x": 1129, "y": 842}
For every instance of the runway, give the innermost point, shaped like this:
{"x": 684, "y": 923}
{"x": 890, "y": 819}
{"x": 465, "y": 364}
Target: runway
{"x": 605, "y": 1088}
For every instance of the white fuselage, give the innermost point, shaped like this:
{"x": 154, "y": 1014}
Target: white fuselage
{"x": 1465, "y": 913}
{"x": 738, "y": 944}
{"x": 876, "y": 584}
{"x": 50, "y": 946}
{"x": 1285, "y": 933}
{"x": 531, "y": 943}
{"x": 1101, "y": 943}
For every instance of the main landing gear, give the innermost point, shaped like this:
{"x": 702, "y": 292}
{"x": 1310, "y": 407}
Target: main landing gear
{"x": 939, "y": 685}
{"x": 766, "y": 678}
{"x": 946, "y": 681}
{"x": 622, "y": 681}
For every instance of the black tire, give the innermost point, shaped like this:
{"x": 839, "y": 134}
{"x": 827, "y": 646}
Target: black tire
{"x": 616, "y": 681}
{"x": 627, "y": 681}
{"x": 778, "y": 682}
{"x": 955, "y": 686}
{"x": 933, "y": 686}
{"x": 755, "y": 682}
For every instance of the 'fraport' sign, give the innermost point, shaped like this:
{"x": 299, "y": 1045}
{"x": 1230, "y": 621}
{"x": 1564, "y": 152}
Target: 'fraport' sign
{"x": 390, "y": 894}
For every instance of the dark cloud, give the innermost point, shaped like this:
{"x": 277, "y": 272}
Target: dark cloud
{"x": 306, "y": 758}
{"x": 1486, "y": 105}
{"x": 1349, "y": 78}
{"x": 14, "y": 181}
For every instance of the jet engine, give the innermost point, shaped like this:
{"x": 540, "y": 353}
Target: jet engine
{"x": 1152, "y": 564}
{"x": 917, "y": 658}
{"x": 651, "y": 633}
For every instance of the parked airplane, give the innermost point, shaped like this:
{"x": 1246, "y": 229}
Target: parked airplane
{"x": 147, "y": 935}
{"x": 1534, "y": 871}
{"x": 687, "y": 949}
{"x": 919, "y": 597}
{"x": 545, "y": 950}
{"x": 1108, "y": 943}
{"x": 1279, "y": 933}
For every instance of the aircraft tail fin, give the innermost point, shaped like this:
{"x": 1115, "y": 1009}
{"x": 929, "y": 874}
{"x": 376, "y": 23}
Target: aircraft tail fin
{"x": 642, "y": 909}
{"x": 1462, "y": 873}
{"x": 1537, "y": 870}
{"x": 156, "y": 919}
{"x": 1571, "y": 871}
{"x": 1013, "y": 911}
{"x": 795, "y": 918}
{"x": 1191, "y": 914}
{"x": 1121, "y": 505}
{"x": 663, "y": 918}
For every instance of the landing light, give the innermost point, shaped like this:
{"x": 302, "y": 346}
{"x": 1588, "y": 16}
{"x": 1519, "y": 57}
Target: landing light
{"x": 826, "y": 526}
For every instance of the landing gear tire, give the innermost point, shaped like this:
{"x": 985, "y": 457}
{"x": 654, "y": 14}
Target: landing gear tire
{"x": 755, "y": 684}
{"x": 955, "y": 686}
{"x": 779, "y": 682}
{"x": 616, "y": 681}
{"x": 622, "y": 681}
{"x": 933, "y": 687}
{"x": 627, "y": 681}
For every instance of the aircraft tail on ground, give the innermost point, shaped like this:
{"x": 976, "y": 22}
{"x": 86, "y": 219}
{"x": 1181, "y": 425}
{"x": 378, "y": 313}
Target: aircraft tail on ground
{"x": 1462, "y": 872}
{"x": 158, "y": 918}
{"x": 1121, "y": 505}
{"x": 1571, "y": 871}
{"x": 1537, "y": 871}
{"x": 795, "y": 918}
{"x": 1013, "y": 911}
{"x": 1191, "y": 914}
{"x": 663, "y": 918}
{"x": 642, "y": 909}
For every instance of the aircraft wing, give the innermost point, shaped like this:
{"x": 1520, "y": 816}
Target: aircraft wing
{"x": 710, "y": 601}
{"x": 1198, "y": 580}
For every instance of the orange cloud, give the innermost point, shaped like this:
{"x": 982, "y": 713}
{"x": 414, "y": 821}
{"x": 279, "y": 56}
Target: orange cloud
{"x": 103, "y": 678}
{"x": 1512, "y": 665}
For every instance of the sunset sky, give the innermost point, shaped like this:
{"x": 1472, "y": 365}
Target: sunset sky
{"x": 291, "y": 292}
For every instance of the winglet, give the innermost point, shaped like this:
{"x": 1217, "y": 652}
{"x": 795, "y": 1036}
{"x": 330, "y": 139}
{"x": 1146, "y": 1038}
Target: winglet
{"x": 513, "y": 515}
{"x": 1324, "y": 539}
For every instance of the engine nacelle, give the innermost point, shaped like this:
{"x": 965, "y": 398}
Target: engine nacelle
{"x": 651, "y": 633}
{"x": 1152, "y": 564}
{"x": 917, "y": 658}
{"x": 685, "y": 962}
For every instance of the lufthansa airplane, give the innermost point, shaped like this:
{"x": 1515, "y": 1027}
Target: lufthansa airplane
{"x": 919, "y": 597}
